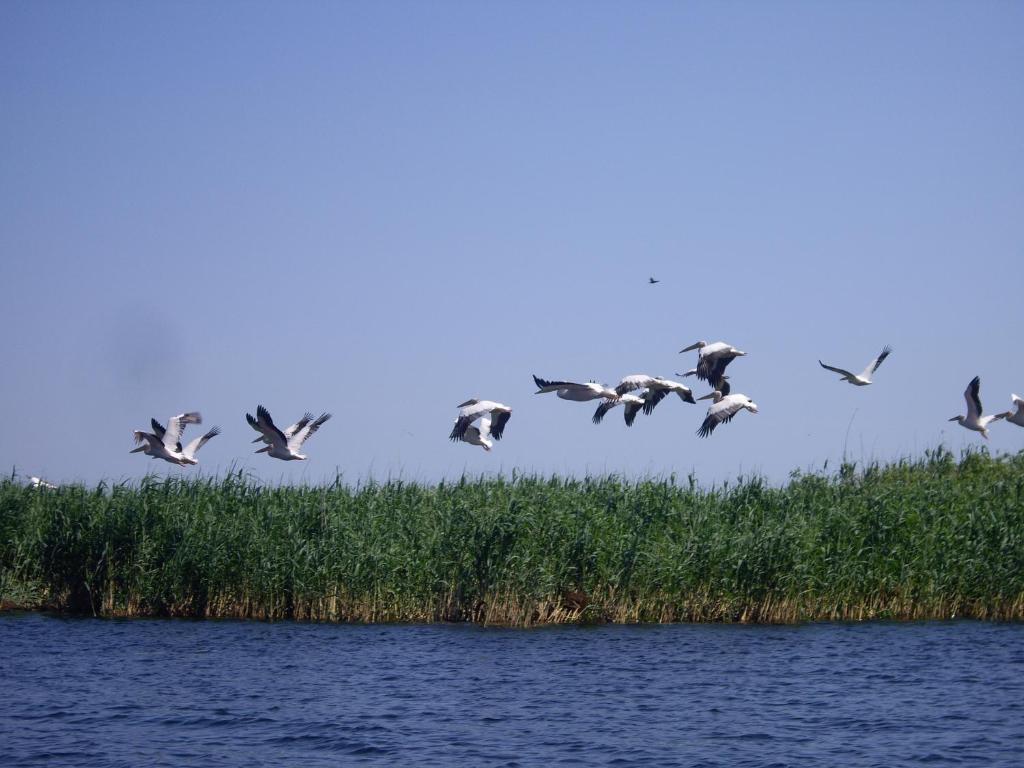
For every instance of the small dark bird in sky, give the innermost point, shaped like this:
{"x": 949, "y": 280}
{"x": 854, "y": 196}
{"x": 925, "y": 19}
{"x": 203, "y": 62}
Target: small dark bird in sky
{"x": 652, "y": 281}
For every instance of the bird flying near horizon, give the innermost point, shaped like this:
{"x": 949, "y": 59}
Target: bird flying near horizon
{"x": 278, "y": 444}
{"x": 863, "y": 378}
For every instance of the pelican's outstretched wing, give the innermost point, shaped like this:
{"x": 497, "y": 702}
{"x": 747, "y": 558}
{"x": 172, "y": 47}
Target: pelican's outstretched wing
{"x": 154, "y": 442}
{"x": 158, "y": 430}
{"x": 873, "y": 365}
{"x": 602, "y": 409}
{"x": 176, "y": 425}
{"x": 497, "y": 426}
{"x": 469, "y": 411}
{"x": 265, "y": 424}
{"x": 720, "y": 413}
{"x": 835, "y": 370}
{"x": 199, "y": 442}
{"x": 712, "y": 370}
{"x": 306, "y": 418}
{"x": 973, "y": 398}
{"x": 295, "y": 441}
{"x": 631, "y": 409}
{"x": 630, "y": 383}
{"x": 654, "y": 396}
{"x": 543, "y": 385}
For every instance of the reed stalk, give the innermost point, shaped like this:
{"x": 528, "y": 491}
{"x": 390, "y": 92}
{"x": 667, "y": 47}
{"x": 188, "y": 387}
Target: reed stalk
{"x": 935, "y": 537}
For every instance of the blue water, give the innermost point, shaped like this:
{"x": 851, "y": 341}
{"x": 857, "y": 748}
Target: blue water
{"x": 89, "y": 692}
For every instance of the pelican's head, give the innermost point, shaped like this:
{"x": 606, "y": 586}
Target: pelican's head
{"x": 695, "y": 345}
{"x": 738, "y": 352}
{"x": 751, "y": 406}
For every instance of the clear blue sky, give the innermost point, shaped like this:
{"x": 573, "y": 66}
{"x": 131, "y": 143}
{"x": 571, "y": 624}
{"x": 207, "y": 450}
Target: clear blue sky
{"x": 382, "y": 209}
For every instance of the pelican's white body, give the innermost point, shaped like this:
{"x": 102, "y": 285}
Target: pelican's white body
{"x": 478, "y": 435}
{"x": 724, "y": 408}
{"x": 974, "y": 419}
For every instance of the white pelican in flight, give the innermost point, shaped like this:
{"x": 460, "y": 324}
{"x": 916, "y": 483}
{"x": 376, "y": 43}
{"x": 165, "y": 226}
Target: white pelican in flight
{"x": 38, "y": 482}
{"x": 657, "y": 388}
{"x": 726, "y": 406}
{"x": 632, "y": 403}
{"x": 974, "y": 420}
{"x": 863, "y": 378}
{"x": 493, "y": 417}
{"x": 712, "y": 359}
{"x": 306, "y": 418}
{"x": 166, "y": 443}
{"x": 1015, "y": 417}
{"x": 571, "y": 390}
{"x": 280, "y": 446}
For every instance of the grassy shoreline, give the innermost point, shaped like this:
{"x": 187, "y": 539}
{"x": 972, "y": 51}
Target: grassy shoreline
{"x": 934, "y": 537}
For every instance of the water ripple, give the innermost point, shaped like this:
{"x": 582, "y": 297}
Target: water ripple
{"x": 106, "y": 694}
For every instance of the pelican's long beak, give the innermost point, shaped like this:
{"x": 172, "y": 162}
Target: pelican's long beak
{"x": 708, "y": 396}
{"x": 695, "y": 345}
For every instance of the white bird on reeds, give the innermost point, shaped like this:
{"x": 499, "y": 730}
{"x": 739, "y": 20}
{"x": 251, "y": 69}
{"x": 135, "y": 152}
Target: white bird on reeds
{"x": 279, "y": 445}
{"x": 166, "y": 443}
{"x": 493, "y": 417}
{"x": 712, "y": 359}
{"x": 725, "y": 407}
{"x": 571, "y": 390}
{"x": 974, "y": 420}
{"x": 38, "y": 482}
{"x": 863, "y": 378}
{"x": 1015, "y": 417}
{"x": 632, "y": 405}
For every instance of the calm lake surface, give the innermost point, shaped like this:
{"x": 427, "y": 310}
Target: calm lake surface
{"x": 89, "y": 692}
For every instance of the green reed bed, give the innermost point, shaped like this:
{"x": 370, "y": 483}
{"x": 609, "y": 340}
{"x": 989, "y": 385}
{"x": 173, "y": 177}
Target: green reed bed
{"x": 929, "y": 538}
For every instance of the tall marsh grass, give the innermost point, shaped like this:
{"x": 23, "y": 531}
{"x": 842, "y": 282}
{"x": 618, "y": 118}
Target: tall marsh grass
{"x": 928, "y": 538}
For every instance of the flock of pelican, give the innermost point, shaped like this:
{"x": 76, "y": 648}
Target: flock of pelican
{"x": 481, "y": 422}
{"x": 165, "y": 443}
{"x": 636, "y": 393}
